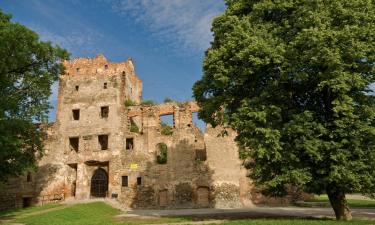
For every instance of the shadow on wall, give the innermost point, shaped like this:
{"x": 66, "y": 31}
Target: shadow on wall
{"x": 182, "y": 182}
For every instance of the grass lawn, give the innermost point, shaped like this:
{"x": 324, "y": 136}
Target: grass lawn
{"x": 100, "y": 213}
{"x": 22, "y": 211}
{"x": 355, "y": 203}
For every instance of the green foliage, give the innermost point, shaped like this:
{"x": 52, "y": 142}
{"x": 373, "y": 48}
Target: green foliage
{"x": 167, "y": 100}
{"x": 129, "y": 102}
{"x": 166, "y": 129}
{"x": 134, "y": 128}
{"x": 148, "y": 102}
{"x": 161, "y": 157}
{"x": 293, "y": 78}
{"x": 28, "y": 68}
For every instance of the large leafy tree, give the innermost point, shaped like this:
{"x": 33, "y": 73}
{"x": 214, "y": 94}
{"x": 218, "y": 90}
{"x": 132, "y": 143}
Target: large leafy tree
{"x": 292, "y": 78}
{"x": 28, "y": 67}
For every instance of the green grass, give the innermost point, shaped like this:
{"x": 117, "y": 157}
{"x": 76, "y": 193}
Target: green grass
{"x": 22, "y": 211}
{"x": 355, "y": 203}
{"x": 100, "y": 213}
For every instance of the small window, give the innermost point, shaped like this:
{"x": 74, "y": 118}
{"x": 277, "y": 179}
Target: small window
{"x": 125, "y": 181}
{"x": 28, "y": 177}
{"x": 129, "y": 143}
{"x": 200, "y": 155}
{"x": 139, "y": 181}
{"x": 104, "y": 111}
{"x": 105, "y": 86}
{"x": 106, "y": 67}
{"x": 103, "y": 142}
{"x": 74, "y": 143}
{"x": 77, "y": 87}
{"x": 77, "y": 69}
{"x": 75, "y": 114}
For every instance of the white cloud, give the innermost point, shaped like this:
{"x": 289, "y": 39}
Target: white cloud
{"x": 77, "y": 42}
{"x": 183, "y": 24}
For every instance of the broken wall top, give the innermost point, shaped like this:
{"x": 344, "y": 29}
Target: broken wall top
{"x": 98, "y": 65}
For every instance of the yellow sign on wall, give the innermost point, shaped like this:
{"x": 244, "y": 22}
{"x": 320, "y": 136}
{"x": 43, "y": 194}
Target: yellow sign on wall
{"x": 134, "y": 166}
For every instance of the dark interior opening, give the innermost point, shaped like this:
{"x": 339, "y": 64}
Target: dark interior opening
{"x": 26, "y": 202}
{"x": 74, "y": 143}
{"x": 104, "y": 111}
{"x": 129, "y": 143}
{"x": 75, "y": 114}
{"x": 125, "y": 181}
{"x": 103, "y": 142}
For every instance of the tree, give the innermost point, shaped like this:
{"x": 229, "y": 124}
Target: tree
{"x": 292, "y": 78}
{"x": 28, "y": 67}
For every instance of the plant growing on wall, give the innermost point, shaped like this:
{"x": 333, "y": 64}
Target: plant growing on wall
{"x": 166, "y": 129}
{"x": 129, "y": 102}
{"x": 148, "y": 102}
{"x": 161, "y": 157}
{"x": 134, "y": 128}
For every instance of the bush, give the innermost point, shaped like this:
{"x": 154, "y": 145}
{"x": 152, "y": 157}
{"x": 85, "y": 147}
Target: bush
{"x": 161, "y": 158}
{"x": 134, "y": 128}
{"x": 167, "y": 100}
{"x": 148, "y": 102}
{"x": 166, "y": 129}
{"x": 130, "y": 102}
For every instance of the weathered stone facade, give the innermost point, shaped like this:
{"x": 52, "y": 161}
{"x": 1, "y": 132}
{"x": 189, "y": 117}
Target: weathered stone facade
{"x": 92, "y": 149}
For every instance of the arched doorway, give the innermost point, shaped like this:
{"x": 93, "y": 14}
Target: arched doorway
{"x": 99, "y": 183}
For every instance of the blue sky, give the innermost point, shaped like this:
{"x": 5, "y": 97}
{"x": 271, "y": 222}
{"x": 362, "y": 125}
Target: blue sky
{"x": 166, "y": 38}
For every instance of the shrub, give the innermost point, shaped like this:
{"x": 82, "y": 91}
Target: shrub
{"x": 161, "y": 157}
{"x": 148, "y": 102}
{"x": 166, "y": 129}
{"x": 134, "y": 128}
{"x": 129, "y": 102}
{"x": 167, "y": 100}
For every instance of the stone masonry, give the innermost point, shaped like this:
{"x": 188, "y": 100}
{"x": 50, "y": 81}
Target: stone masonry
{"x": 101, "y": 147}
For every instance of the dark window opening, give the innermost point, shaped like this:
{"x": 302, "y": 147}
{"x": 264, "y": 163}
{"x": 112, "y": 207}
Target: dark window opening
{"x": 103, "y": 142}
{"x": 74, "y": 143}
{"x": 129, "y": 143}
{"x": 104, "y": 111}
{"x": 77, "y": 87}
{"x": 28, "y": 177}
{"x": 200, "y": 155}
{"x": 123, "y": 73}
{"x": 125, "y": 181}
{"x": 77, "y": 69}
{"x": 105, "y": 86}
{"x": 26, "y": 202}
{"x": 75, "y": 114}
{"x": 106, "y": 67}
{"x": 139, "y": 181}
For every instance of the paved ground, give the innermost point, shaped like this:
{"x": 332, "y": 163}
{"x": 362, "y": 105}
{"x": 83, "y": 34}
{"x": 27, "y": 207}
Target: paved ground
{"x": 259, "y": 212}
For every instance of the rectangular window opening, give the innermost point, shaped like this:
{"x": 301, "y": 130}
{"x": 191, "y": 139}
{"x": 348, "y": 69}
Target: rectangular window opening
{"x": 77, "y": 87}
{"x": 105, "y": 86}
{"x": 28, "y": 177}
{"x": 139, "y": 181}
{"x": 103, "y": 142}
{"x": 200, "y": 155}
{"x": 75, "y": 114}
{"x": 74, "y": 143}
{"x": 104, "y": 111}
{"x": 125, "y": 181}
{"x": 129, "y": 143}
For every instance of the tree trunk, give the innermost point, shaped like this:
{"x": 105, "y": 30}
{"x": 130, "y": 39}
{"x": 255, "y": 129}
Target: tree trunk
{"x": 339, "y": 205}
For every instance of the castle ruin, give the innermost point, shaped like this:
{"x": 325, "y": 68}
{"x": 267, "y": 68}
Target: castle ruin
{"x": 100, "y": 147}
